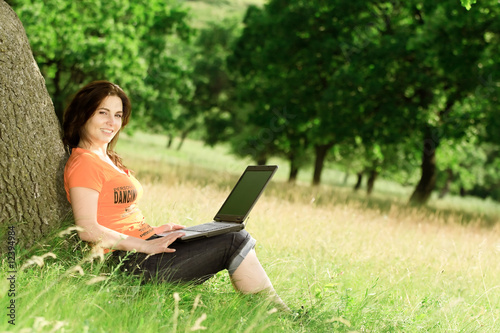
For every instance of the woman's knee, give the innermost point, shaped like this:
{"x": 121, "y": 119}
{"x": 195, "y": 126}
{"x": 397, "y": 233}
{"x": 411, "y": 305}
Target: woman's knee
{"x": 243, "y": 243}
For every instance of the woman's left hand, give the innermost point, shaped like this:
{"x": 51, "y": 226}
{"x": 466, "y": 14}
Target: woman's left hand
{"x": 168, "y": 227}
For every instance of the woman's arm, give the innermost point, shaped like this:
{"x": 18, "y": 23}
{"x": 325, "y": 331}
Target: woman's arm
{"x": 84, "y": 204}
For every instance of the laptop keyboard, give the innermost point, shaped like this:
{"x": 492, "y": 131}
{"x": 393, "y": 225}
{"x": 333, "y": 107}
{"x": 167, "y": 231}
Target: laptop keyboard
{"x": 206, "y": 227}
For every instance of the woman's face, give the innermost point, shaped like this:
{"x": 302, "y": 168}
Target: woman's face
{"x": 106, "y": 121}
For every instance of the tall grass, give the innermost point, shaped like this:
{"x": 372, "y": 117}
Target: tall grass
{"x": 342, "y": 263}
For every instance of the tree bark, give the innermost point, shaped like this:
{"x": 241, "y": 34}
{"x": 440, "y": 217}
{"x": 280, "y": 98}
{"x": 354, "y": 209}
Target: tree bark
{"x": 427, "y": 181}
{"x": 32, "y": 155}
{"x": 321, "y": 152}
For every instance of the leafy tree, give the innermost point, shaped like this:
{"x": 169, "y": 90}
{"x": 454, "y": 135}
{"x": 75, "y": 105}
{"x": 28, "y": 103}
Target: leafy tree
{"x": 452, "y": 66}
{"x": 123, "y": 41}
{"x": 380, "y": 70}
{"x": 292, "y": 68}
{"x": 485, "y": 103}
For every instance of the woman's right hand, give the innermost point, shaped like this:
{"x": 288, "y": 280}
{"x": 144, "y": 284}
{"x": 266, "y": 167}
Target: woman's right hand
{"x": 161, "y": 245}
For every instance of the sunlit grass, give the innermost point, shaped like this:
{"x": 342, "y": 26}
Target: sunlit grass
{"x": 340, "y": 261}
{"x": 221, "y": 163}
{"x": 203, "y": 11}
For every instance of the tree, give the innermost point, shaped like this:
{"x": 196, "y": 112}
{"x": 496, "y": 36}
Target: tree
{"x": 448, "y": 50}
{"x": 291, "y": 69}
{"x": 124, "y": 41}
{"x": 383, "y": 71}
{"x": 32, "y": 156}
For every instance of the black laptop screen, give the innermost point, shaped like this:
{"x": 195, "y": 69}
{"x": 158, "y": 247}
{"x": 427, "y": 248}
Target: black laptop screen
{"x": 245, "y": 193}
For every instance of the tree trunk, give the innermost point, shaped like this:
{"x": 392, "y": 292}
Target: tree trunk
{"x": 358, "y": 182}
{"x": 321, "y": 151}
{"x": 463, "y": 191}
{"x": 170, "y": 140}
{"x": 184, "y": 135}
{"x": 261, "y": 160}
{"x": 294, "y": 170}
{"x": 427, "y": 181}
{"x": 32, "y": 156}
{"x": 371, "y": 181}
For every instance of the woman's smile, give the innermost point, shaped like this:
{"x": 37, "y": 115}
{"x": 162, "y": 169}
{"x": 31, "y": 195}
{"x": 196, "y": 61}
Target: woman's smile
{"x": 106, "y": 121}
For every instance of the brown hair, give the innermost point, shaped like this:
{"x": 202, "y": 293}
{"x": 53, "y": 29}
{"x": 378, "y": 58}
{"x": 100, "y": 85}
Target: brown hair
{"x": 83, "y": 106}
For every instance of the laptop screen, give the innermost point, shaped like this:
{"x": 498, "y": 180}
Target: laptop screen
{"x": 246, "y": 192}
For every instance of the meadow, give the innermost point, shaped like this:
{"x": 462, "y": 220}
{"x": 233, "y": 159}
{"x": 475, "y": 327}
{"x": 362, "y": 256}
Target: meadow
{"x": 341, "y": 261}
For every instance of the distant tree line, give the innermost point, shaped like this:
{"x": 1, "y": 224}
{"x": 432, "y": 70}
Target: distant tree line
{"x": 406, "y": 89}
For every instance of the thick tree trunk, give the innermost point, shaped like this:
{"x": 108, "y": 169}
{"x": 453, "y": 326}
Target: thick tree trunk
{"x": 321, "y": 152}
{"x": 370, "y": 183}
{"x": 427, "y": 181}
{"x": 32, "y": 156}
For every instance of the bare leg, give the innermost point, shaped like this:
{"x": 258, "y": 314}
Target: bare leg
{"x": 251, "y": 278}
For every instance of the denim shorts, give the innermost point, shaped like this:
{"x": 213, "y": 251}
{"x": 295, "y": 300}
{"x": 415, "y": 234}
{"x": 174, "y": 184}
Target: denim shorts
{"x": 195, "y": 261}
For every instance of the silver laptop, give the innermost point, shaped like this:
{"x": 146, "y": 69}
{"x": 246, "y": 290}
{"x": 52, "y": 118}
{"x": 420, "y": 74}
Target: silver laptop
{"x": 231, "y": 216}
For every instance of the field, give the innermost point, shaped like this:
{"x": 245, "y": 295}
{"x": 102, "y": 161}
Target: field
{"x": 341, "y": 262}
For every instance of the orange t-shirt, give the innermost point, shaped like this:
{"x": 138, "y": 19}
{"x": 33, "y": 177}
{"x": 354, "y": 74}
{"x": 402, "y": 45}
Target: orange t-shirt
{"x": 118, "y": 192}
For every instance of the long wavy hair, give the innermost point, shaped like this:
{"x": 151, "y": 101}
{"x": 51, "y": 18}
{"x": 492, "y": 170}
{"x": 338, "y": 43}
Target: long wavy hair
{"x": 83, "y": 106}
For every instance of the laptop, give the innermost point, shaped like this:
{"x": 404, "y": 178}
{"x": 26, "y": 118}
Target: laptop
{"x": 233, "y": 212}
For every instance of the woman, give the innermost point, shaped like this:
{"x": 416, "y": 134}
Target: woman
{"x": 104, "y": 195}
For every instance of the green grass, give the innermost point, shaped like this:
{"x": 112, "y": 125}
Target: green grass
{"x": 376, "y": 266}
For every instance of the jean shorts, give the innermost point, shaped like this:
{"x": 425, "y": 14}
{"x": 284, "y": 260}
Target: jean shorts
{"x": 195, "y": 261}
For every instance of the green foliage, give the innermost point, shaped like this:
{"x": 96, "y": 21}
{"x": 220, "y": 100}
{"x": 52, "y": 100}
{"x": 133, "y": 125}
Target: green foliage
{"x": 372, "y": 80}
{"x": 213, "y": 103}
{"x": 123, "y": 41}
{"x": 386, "y": 73}
{"x": 468, "y": 3}
{"x": 289, "y": 70}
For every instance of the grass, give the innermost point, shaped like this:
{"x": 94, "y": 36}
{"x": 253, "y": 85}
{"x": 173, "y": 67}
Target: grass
{"x": 344, "y": 263}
